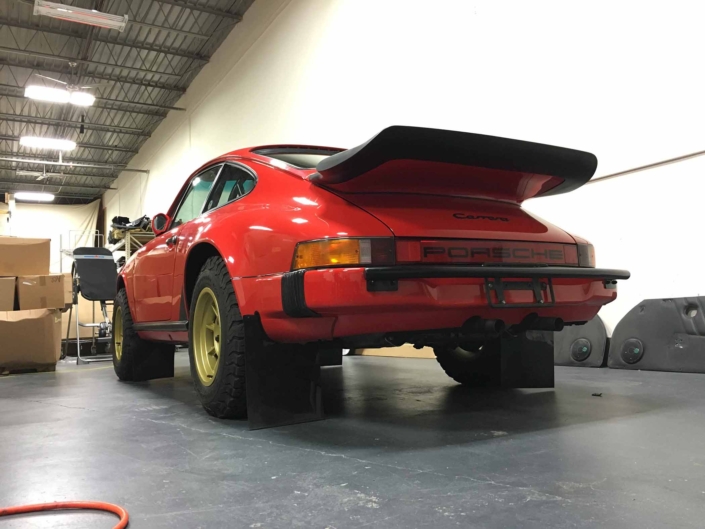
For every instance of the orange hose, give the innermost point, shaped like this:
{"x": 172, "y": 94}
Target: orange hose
{"x": 60, "y": 505}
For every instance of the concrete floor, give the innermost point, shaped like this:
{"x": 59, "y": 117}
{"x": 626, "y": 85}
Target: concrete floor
{"x": 403, "y": 446}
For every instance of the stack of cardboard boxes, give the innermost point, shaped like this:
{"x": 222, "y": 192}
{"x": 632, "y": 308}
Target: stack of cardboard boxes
{"x": 30, "y": 303}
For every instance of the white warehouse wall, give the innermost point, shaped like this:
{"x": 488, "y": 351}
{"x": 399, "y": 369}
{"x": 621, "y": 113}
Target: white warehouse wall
{"x": 645, "y": 222}
{"x": 68, "y": 227}
{"x": 616, "y": 79}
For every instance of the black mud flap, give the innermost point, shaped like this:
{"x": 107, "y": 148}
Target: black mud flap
{"x": 283, "y": 381}
{"x": 330, "y": 357}
{"x": 661, "y": 335}
{"x": 156, "y": 364}
{"x": 582, "y": 345}
{"x": 527, "y": 360}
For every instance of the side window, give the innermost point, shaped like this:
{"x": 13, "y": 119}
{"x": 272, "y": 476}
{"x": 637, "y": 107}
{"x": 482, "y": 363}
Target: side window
{"x": 233, "y": 183}
{"x": 192, "y": 204}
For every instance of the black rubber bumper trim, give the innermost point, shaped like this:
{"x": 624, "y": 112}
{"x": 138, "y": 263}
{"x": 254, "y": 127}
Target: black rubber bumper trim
{"x": 294, "y": 297}
{"x": 438, "y": 272}
{"x": 162, "y": 326}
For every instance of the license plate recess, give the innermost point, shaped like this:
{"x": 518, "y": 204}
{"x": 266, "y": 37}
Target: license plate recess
{"x": 542, "y": 290}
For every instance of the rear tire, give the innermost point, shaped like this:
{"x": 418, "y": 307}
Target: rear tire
{"x": 217, "y": 343}
{"x": 475, "y": 364}
{"x": 135, "y": 359}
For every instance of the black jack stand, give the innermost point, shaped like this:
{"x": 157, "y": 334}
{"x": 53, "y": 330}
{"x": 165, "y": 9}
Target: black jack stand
{"x": 527, "y": 360}
{"x": 283, "y": 381}
{"x": 156, "y": 364}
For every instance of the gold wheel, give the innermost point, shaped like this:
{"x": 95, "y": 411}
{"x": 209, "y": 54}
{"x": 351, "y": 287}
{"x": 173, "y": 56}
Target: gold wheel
{"x": 206, "y": 336}
{"x": 117, "y": 332}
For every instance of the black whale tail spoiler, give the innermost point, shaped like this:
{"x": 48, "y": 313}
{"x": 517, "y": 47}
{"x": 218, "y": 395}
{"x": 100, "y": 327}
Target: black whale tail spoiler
{"x": 419, "y": 160}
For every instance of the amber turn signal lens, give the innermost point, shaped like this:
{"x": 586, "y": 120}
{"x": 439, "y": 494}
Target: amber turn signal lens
{"x": 342, "y": 252}
{"x": 586, "y": 255}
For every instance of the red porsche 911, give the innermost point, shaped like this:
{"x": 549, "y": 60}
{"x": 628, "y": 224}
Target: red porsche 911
{"x": 417, "y": 236}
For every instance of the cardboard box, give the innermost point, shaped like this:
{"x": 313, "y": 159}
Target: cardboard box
{"x": 23, "y": 257}
{"x": 68, "y": 289}
{"x": 41, "y": 291}
{"x": 403, "y": 351}
{"x": 7, "y": 293}
{"x": 29, "y": 339}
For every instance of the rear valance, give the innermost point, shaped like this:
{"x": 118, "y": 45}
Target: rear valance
{"x": 419, "y": 160}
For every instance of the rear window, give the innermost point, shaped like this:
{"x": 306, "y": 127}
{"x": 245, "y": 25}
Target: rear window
{"x": 297, "y": 157}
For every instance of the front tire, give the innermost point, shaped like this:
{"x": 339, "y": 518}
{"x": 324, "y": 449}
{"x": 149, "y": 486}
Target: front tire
{"x": 475, "y": 364}
{"x": 217, "y": 343}
{"x": 135, "y": 359}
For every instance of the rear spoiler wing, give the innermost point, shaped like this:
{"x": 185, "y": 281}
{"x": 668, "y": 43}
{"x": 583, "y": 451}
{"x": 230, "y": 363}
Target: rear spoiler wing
{"x": 469, "y": 155}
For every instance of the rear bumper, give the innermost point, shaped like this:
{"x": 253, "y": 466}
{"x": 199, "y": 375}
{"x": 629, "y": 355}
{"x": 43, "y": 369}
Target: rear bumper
{"x": 492, "y": 272}
{"x": 324, "y": 304}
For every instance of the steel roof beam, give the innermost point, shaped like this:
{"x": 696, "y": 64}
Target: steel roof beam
{"x": 105, "y": 148}
{"x": 81, "y": 145}
{"x": 18, "y": 157}
{"x": 33, "y": 120}
{"x": 146, "y": 25}
{"x": 96, "y": 76}
{"x": 59, "y": 175}
{"x": 170, "y": 30}
{"x": 74, "y": 162}
{"x": 108, "y": 104}
{"x": 148, "y": 105}
{"x": 58, "y": 194}
{"x": 202, "y": 9}
{"x": 111, "y": 104}
{"x": 105, "y": 100}
{"x": 142, "y": 47}
{"x": 50, "y": 57}
{"x": 45, "y": 184}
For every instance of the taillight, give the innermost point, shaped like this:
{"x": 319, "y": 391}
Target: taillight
{"x": 344, "y": 252}
{"x": 466, "y": 251}
{"x": 586, "y": 255}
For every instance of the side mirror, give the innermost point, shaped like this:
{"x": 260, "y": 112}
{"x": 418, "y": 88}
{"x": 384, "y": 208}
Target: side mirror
{"x": 160, "y": 222}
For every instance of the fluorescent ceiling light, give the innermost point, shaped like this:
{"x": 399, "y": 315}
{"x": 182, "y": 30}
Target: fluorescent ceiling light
{"x": 45, "y": 93}
{"x": 82, "y": 16}
{"x": 21, "y": 172}
{"x": 39, "y": 174}
{"x": 47, "y": 143}
{"x": 34, "y": 197}
{"x": 59, "y": 95}
{"x": 82, "y": 99}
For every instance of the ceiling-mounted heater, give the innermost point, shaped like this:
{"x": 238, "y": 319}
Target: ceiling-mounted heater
{"x": 80, "y": 15}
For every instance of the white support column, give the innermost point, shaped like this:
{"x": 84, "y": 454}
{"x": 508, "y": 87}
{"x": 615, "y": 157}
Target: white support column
{"x": 11, "y": 214}
{"x": 6, "y": 211}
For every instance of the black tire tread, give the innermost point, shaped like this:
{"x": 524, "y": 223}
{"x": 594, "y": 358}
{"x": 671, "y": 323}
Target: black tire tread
{"x": 482, "y": 372}
{"x": 230, "y": 399}
{"x": 135, "y": 350}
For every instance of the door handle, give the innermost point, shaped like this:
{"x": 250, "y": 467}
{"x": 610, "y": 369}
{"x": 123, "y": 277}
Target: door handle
{"x": 171, "y": 241}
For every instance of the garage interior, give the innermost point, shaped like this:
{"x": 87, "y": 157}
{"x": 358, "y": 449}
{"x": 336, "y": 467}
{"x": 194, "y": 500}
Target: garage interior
{"x": 137, "y": 95}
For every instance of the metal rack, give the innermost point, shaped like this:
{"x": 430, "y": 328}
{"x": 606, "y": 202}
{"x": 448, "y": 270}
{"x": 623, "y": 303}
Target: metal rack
{"x": 133, "y": 241}
{"x": 95, "y": 238}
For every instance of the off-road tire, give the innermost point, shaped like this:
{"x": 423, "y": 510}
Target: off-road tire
{"x": 225, "y": 398}
{"x": 139, "y": 358}
{"x": 473, "y": 365}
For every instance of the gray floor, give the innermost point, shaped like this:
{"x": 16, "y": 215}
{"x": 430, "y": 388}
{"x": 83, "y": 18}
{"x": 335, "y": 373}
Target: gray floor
{"x": 402, "y": 447}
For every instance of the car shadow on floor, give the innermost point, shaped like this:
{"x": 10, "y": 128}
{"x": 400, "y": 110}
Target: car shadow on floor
{"x": 411, "y": 404}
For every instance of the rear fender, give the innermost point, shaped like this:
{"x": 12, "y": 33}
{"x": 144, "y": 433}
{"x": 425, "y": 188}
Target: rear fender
{"x": 124, "y": 280}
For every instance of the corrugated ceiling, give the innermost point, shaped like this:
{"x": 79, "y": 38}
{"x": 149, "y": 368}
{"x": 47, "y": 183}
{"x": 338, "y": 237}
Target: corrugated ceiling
{"x": 142, "y": 72}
